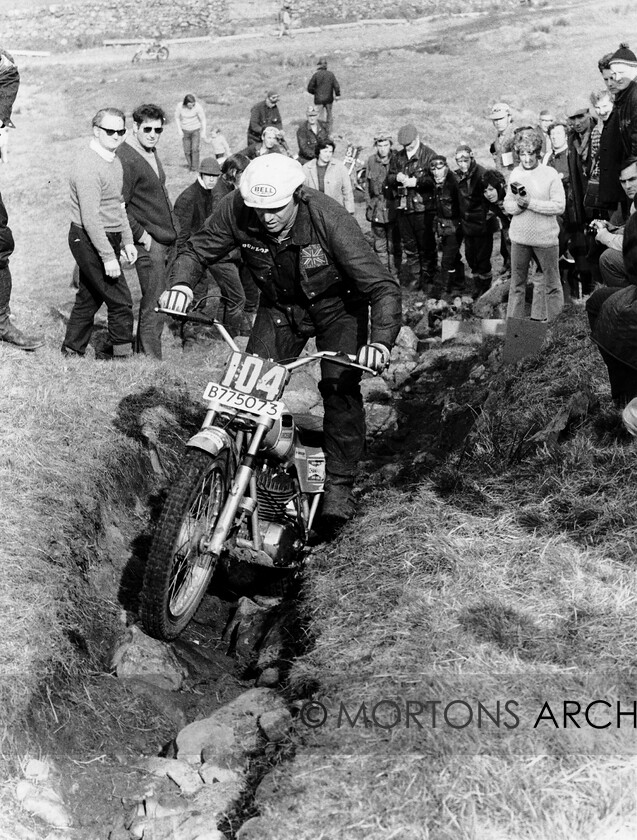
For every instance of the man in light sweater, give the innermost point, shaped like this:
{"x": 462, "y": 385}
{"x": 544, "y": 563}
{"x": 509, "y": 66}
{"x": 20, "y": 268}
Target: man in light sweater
{"x": 151, "y": 219}
{"x": 99, "y": 232}
{"x": 534, "y": 199}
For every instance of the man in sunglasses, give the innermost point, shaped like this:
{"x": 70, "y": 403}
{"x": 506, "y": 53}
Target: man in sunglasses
{"x": 151, "y": 219}
{"x": 99, "y": 232}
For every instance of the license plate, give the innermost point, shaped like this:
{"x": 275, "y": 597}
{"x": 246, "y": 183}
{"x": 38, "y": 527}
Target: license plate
{"x": 230, "y": 398}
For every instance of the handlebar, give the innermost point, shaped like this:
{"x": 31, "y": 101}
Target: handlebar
{"x": 343, "y": 359}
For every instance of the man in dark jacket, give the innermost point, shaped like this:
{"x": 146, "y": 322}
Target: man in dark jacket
{"x": 410, "y": 180}
{"x": 580, "y": 163}
{"x": 380, "y": 211}
{"x": 264, "y": 113}
{"x": 309, "y": 134}
{"x": 610, "y": 154}
{"x": 623, "y": 65}
{"x": 151, "y": 220}
{"x": 318, "y": 277}
{"x": 325, "y": 89}
{"x": 447, "y": 198}
{"x": 192, "y": 208}
{"x": 9, "y": 84}
{"x": 612, "y": 315}
{"x": 476, "y": 232}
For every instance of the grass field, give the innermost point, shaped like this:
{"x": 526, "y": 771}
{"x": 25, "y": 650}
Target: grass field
{"x": 506, "y": 573}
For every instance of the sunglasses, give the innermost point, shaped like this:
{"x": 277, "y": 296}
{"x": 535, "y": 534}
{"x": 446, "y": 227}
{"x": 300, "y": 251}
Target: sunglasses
{"x": 111, "y": 131}
{"x": 148, "y": 128}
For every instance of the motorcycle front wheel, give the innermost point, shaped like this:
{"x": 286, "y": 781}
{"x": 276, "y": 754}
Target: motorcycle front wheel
{"x": 179, "y": 570}
{"x": 162, "y": 54}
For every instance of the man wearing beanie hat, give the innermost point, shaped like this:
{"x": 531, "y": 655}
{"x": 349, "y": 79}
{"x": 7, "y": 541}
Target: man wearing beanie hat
{"x": 623, "y": 65}
{"x": 326, "y": 90}
{"x": 502, "y": 147}
{"x": 409, "y": 178}
{"x": 451, "y": 279}
{"x": 476, "y": 232}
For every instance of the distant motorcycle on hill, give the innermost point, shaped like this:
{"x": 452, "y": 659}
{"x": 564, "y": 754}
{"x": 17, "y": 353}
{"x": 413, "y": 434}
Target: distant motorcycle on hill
{"x": 151, "y": 52}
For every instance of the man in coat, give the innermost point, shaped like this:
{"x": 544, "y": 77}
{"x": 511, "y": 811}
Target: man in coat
{"x": 326, "y": 90}
{"x": 410, "y": 179}
{"x": 151, "y": 220}
{"x": 476, "y": 232}
{"x": 319, "y": 278}
{"x": 309, "y": 133}
{"x": 623, "y": 65}
{"x": 262, "y": 114}
{"x": 9, "y": 84}
{"x": 380, "y": 209}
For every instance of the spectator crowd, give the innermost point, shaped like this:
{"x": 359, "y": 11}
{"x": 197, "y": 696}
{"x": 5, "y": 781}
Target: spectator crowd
{"x": 558, "y": 197}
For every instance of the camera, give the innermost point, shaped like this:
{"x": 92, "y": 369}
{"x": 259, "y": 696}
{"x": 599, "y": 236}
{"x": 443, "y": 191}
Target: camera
{"x": 518, "y": 189}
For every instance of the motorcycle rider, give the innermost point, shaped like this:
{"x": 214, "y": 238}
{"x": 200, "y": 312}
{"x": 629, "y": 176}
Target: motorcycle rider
{"x": 319, "y": 278}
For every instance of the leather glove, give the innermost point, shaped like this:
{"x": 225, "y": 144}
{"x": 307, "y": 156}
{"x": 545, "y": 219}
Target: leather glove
{"x": 177, "y": 299}
{"x": 374, "y": 356}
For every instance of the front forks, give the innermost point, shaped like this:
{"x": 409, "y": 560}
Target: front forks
{"x": 236, "y": 494}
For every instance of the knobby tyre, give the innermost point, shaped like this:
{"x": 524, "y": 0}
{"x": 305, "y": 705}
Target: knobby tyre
{"x": 162, "y": 54}
{"x": 174, "y": 582}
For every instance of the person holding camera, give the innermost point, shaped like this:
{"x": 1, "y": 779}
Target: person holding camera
{"x": 409, "y": 179}
{"x": 534, "y": 198}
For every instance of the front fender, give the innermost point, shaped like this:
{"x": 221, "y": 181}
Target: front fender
{"x": 211, "y": 439}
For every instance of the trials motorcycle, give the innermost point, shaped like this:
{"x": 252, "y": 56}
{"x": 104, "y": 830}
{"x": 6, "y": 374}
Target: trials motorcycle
{"x": 151, "y": 52}
{"x": 249, "y": 490}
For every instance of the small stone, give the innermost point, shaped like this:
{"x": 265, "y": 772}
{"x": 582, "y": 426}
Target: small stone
{"x": 269, "y": 677}
{"x": 137, "y": 655}
{"x": 275, "y": 725}
{"x": 252, "y": 829}
{"x": 36, "y": 770}
{"x": 211, "y": 773}
{"x": 182, "y": 774}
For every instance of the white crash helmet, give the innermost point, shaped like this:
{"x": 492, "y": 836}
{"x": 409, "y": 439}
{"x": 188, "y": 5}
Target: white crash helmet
{"x": 270, "y": 181}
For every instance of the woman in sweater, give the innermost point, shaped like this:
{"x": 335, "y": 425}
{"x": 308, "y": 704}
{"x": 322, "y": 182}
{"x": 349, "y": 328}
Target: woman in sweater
{"x": 329, "y": 175}
{"x": 190, "y": 120}
{"x": 534, "y": 198}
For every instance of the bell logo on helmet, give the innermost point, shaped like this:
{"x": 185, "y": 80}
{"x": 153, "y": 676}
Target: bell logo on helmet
{"x": 263, "y": 189}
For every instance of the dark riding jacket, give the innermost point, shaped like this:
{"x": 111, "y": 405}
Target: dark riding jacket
{"x": 326, "y": 255}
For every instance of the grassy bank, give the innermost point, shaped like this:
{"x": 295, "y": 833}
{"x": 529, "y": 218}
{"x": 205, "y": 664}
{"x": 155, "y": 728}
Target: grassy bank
{"x": 447, "y": 617}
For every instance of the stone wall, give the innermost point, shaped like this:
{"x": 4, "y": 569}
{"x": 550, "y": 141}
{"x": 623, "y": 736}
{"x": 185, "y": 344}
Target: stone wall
{"x": 70, "y": 26}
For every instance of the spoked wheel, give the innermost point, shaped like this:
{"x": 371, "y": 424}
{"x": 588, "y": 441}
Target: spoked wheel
{"x": 162, "y": 54}
{"x": 179, "y": 569}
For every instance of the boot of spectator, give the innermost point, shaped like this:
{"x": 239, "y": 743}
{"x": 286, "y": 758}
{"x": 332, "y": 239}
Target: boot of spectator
{"x": 8, "y": 331}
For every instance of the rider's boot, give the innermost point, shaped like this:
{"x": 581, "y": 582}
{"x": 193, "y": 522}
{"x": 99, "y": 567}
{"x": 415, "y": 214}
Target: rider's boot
{"x": 338, "y": 501}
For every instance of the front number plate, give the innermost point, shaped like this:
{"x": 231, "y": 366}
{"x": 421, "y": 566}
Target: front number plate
{"x": 243, "y": 402}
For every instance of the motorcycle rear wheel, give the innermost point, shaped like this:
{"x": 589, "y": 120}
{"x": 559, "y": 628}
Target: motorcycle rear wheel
{"x": 162, "y": 54}
{"x": 178, "y": 571}
{"x": 137, "y": 57}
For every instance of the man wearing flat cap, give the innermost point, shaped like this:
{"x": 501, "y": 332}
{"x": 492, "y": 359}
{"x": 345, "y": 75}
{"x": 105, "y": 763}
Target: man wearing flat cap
{"x": 502, "y": 147}
{"x": 326, "y": 90}
{"x": 192, "y": 208}
{"x": 264, "y": 113}
{"x": 309, "y": 134}
{"x": 580, "y": 162}
{"x": 623, "y": 65}
{"x": 410, "y": 180}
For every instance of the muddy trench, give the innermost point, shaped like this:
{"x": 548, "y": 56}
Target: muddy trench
{"x": 98, "y": 728}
